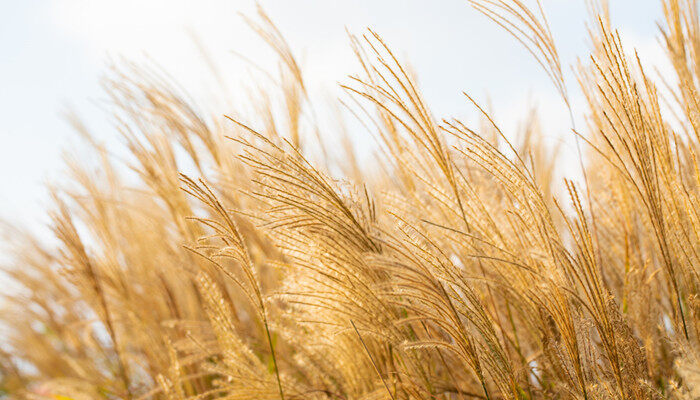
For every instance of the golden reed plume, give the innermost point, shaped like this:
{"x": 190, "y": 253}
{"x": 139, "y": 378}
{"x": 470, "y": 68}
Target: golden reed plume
{"x": 456, "y": 266}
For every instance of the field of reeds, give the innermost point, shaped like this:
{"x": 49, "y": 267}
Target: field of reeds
{"x": 219, "y": 260}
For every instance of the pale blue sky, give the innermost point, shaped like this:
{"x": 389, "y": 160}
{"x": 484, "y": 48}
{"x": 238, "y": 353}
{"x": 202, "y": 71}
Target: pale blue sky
{"x": 53, "y": 52}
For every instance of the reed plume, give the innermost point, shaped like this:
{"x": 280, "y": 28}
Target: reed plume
{"x": 225, "y": 262}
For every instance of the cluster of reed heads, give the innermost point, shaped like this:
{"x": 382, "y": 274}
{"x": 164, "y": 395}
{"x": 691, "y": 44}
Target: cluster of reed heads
{"x": 454, "y": 265}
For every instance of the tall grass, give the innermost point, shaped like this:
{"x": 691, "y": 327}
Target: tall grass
{"x": 458, "y": 267}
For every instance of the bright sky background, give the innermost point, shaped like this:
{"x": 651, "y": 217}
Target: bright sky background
{"x": 53, "y": 52}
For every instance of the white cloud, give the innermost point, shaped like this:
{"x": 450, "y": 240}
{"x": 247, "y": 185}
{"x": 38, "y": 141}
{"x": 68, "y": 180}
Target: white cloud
{"x": 129, "y": 26}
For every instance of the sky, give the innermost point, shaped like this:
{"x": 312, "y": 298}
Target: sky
{"x": 54, "y": 53}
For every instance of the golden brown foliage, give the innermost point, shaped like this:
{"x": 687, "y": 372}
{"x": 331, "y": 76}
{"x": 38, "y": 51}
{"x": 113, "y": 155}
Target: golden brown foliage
{"x": 458, "y": 268}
